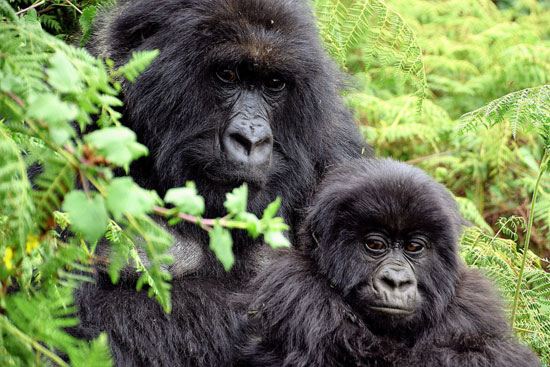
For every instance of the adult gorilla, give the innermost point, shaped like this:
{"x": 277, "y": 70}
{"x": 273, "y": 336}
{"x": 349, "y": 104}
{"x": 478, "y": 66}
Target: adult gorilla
{"x": 379, "y": 283}
{"x": 241, "y": 91}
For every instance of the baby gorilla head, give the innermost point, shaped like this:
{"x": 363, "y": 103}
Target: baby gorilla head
{"x": 385, "y": 234}
{"x": 377, "y": 282}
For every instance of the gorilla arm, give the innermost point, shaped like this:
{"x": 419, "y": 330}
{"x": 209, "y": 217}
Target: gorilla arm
{"x": 474, "y": 331}
{"x": 291, "y": 308}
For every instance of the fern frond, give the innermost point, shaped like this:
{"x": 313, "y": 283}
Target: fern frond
{"x": 525, "y": 109}
{"x": 142, "y": 231}
{"x": 56, "y": 180}
{"x": 470, "y": 212}
{"x": 15, "y": 194}
{"x": 384, "y": 35}
{"x": 501, "y": 261}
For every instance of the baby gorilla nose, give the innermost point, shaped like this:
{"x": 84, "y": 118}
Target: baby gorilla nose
{"x": 397, "y": 288}
{"x": 395, "y": 279}
{"x": 248, "y": 143}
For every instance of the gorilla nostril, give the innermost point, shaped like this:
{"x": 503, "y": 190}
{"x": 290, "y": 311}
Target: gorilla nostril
{"x": 264, "y": 141}
{"x": 243, "y": 141}
{"x": 248, "y": 143}
{"x": 394, "y": 280}
{"x": 389, "y": 283}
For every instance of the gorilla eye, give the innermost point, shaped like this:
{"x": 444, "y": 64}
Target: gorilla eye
{"x": 275, "y": 84}
{"x": 226, "y": 75}
{"x": 375, "y": 243}
{"x": 415, "y": 247}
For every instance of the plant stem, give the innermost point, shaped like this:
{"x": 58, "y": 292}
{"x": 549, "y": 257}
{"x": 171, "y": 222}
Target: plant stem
{"x": 205, "y": 224}
{"x": 543, "y": 167}
{"x": 30, "y": 7}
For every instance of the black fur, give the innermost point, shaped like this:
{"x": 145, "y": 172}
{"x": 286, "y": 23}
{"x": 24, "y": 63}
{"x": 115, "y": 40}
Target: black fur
{"x": 311, "y": 307}
{"x": 179, "y": 110}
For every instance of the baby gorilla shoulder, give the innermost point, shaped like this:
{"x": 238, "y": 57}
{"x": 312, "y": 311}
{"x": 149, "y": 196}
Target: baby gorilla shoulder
{"x": 377, "y": 282}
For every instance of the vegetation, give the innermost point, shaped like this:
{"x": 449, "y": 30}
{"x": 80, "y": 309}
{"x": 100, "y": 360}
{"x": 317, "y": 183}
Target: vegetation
{"x": 457, "y": 87}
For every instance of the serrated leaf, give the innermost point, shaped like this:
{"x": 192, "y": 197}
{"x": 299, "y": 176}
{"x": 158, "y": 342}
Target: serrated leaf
{"x": 186, "y": 199}
{"x": 87, "y": 216}
{"x": 221, "y": 244}
{"x": 50, "y": 109}
{"x": 272, "y": 209}
{"x": 117, "y": 144}
{"x": 253, "y": 224}
{"x": 62, "y": 75}
{"x": 124, "y": 196}
{"x": 235, "y": 201}
{"x": 276, "y": 239}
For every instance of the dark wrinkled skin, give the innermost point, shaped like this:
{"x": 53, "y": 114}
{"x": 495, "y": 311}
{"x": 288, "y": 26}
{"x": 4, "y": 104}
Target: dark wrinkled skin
{"x": 202, "y": 124}
{"x": 314, "y": 307}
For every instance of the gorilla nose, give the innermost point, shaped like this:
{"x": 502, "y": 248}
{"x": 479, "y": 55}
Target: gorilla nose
{"x": 395, "y": 279}
{"x": 248, "y": 142}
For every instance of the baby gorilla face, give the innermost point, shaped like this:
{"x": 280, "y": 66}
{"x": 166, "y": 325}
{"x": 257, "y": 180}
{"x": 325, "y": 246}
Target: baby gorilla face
{"x": 387, "y": 240}
{"x": 392, "y": 288}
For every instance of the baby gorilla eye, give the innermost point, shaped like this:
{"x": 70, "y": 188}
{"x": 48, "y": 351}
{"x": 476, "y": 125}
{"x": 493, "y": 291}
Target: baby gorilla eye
{"x": 415, "y": 246}
{"x": 226, "y": 75}
{"x": 275, "y": 84}
{"x": 375, "y": 243}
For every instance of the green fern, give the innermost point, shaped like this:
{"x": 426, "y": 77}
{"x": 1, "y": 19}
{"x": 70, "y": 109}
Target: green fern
{"x": 527, "y": 109}
{"x": 384, "y": 35}
{"x": 500, "y": 259}
{"x": 15, "y": 196}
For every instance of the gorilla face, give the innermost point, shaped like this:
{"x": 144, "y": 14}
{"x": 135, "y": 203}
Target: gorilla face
{"x": 390, "y": 246}
{"x": 240, "y": 92}
{"x": 392, "y": 287}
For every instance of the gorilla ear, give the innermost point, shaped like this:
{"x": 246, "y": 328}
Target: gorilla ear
{"x": 128, "y": 33}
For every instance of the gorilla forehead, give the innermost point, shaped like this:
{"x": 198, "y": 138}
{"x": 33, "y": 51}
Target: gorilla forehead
{"x": 271, "y": 36}
{"x": 399, "y": 197}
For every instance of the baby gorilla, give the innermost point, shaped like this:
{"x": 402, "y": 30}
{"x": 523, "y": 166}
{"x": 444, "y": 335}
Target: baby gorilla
{"x": 377, "y": 282}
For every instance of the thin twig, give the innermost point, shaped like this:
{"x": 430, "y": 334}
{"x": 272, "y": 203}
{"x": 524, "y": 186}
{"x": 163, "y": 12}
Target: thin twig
{"x": 71, "y": 4}
{"x": 543, "y": 168}
{"x": 436, "y": 155}
{"x": 206, "y": 224}
{"x": 17, "y": 100}
{"x": 30, "y": 7}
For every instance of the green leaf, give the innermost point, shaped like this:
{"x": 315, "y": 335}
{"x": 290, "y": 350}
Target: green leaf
{"x": 253, "y": 224}
{"x": 86, "y": 22}
{"x": 62, "y": 75}
{"x": 235, "y": 201}
{"x": 221, "y": 243}
{"x": 87, "y": 216}
{"x": 124, "y": 196}
{"x": 186, "y": 199}
{"x": 276, "y": 239}
{"x": 117, "y": 144}
{"x": 272, "y": 208}
{"x": 50, "y": 109}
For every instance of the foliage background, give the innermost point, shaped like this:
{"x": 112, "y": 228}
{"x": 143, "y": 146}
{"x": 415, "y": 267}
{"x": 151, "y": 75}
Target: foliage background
{"x": 416, "y": 68}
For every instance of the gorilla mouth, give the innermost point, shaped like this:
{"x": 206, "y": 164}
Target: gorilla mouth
{"x": 237, "y": 177}
{"x": 392, "y": 310}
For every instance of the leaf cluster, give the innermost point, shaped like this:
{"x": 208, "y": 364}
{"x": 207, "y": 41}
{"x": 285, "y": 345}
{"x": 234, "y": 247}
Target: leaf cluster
{"x": 51, "y": 94}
